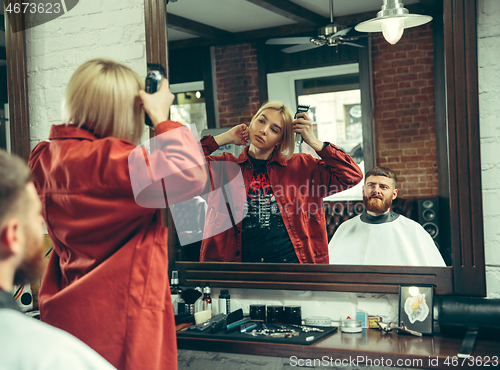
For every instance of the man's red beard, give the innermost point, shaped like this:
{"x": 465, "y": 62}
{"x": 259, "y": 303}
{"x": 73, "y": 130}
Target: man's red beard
{"x": 377, "y": 205}
{"x": 31, "y": 268}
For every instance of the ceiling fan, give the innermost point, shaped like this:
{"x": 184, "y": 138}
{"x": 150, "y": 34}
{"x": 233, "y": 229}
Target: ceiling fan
{"x": 332, "y": 35}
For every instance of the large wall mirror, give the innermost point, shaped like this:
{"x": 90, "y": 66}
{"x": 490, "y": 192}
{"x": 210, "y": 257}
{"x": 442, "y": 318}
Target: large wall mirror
{"x": 457, "y": 249}
{"x": 456, "y": 117}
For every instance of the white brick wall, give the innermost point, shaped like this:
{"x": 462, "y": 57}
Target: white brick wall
{"x": 94, "y": 28}
{"x": 488, "y": 21}
{"x": 335, "y": 305}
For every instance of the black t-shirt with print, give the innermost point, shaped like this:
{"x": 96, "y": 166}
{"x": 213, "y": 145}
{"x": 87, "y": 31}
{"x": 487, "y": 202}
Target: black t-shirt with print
{"x": 264, "y": 236}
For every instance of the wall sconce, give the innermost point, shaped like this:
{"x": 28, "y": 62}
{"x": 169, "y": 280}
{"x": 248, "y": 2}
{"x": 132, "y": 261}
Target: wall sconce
{"x": 392, "y": 20}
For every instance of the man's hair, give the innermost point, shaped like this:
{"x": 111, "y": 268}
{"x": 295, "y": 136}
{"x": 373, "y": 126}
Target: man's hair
{"x": 14, "y": 177}
{"x": 382, "y": 171}
{"x": 286, "y": 146}
{"x": 102, "y": 96}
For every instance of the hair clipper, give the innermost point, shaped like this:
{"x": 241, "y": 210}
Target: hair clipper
{"x": 153, "y": 82}
{"x": 298, "y": 137}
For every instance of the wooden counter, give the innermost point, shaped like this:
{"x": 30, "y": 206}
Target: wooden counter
{"x": 371, "y": 347}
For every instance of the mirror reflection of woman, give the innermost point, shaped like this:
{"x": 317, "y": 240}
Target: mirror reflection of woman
{"x": 284, "y": 221}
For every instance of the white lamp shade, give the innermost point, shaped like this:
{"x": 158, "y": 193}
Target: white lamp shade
{"x": 410, "y": 20}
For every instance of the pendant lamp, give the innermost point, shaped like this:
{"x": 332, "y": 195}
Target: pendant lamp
{"x": 392, "y": 20}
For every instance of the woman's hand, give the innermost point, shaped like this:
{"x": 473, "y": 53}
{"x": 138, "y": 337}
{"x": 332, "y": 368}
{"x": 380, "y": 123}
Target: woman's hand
{"x": 157, "y": 105}
{"x": 304, "y": 126}
{"x": 238, "y": 135}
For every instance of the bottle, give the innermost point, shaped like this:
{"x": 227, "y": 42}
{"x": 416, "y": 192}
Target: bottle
{"x": 224, "y": 301}
{"x": 175, "y": 291}
{"x": 207, "y": 299}
{"x": 198, "y": 305}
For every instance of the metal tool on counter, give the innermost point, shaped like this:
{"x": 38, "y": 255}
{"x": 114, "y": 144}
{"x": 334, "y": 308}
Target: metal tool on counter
{"x": 247, "y": 327}
{"x": 307, "y": 329}
{"x": 216, "y": 320}
{"x": 386, "y": 328}
{"x": 282, "y": 331}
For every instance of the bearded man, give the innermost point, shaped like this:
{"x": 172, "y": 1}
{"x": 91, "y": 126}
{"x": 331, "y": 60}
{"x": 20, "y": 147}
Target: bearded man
{"x": 379, "y": 236}
{"x": 26, "y": 343}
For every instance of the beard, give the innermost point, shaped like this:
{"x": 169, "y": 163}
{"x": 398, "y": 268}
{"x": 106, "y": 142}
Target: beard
{"x": 31, "y": 268}
{"x": 377, "y": 205}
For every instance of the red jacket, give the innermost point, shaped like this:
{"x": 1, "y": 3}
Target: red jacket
{"x": 299, "y": 185}
{"x": 107, "y": 278}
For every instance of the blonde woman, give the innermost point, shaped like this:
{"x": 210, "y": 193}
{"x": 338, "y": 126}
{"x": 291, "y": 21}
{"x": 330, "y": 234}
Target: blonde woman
{"x": 107, "y": 278}
{"x": 284, "y": 221}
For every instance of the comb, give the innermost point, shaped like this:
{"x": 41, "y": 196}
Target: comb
{"x": 298, "y": 137}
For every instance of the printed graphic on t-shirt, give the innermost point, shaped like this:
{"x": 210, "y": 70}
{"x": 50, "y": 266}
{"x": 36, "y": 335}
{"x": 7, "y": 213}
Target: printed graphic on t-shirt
{"x": 265, "y": 237}
{"x": 262, "y": 208}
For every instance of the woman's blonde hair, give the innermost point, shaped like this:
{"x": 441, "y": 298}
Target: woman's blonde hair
{"x": 102, "y": 96}
{"x": 286, "y": 146}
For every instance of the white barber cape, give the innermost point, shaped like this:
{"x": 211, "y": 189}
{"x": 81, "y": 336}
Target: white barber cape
{"x": 389, "y": 239}
{"x": 28, "y": 344}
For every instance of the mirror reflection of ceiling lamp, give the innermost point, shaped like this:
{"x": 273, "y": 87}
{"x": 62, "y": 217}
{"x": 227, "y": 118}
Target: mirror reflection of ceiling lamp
{"x": 392, "y": 20}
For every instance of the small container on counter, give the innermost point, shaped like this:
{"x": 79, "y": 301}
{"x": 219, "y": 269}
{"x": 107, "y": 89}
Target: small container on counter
{"x": 207, "y": 299}
{"x": 275, "y": 314}
{"x": 224, "y": 302}
{"x": 175, "y": 291}
{"x": 292, "y": 315}
{"x": 258, "y": 312}
{"x": 351, "y": 326}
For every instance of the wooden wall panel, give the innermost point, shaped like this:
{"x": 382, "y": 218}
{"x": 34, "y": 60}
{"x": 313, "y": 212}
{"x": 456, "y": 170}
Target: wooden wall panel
{"x": 467, "y": 238}
{"x": 17, "y": 85}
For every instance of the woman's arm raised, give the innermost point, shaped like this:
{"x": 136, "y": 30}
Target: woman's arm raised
{"x": 337, "y": 169}
{"x": 237, "y": 135}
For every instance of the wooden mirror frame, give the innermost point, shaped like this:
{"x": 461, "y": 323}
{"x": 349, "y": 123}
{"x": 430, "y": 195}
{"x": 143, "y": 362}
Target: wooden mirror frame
{"x": 461, "y": 179}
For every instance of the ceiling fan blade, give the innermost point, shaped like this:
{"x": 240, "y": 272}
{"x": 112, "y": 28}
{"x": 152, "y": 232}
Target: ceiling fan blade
{"x": 352, "y": 44}
{"x": 342, "y": 32}
{"x": 362, "y": 36}
{"x": 296, "y": 48}
{"x": 352, "y": 34}
{"x": 289, "y": 41}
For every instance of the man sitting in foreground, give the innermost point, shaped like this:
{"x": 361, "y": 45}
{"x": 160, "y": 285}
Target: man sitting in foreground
{"x": 379, "y": 236}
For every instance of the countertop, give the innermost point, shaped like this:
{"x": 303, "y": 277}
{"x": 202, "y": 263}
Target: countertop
{"x": 371, "y": 347}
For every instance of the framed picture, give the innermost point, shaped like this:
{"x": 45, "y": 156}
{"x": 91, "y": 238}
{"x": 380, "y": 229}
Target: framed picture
{"x": 415, "y": 307}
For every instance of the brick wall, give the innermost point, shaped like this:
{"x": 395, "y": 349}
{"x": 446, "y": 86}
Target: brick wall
{"x": 93, "y": 28}
{"x": 237, "y": 83}
{"x": 404, "y": 109}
